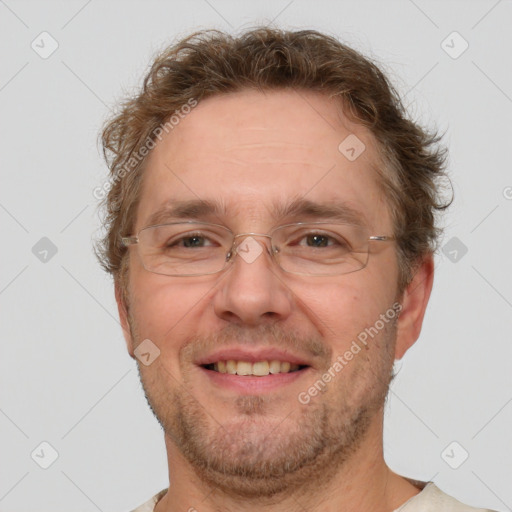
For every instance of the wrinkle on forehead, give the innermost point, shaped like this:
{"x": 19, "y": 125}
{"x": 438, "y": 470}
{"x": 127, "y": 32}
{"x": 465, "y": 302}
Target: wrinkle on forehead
{"x": 250, "y": 148}
{"x": 284, "y": 125}
{"x": 250, "y": 113}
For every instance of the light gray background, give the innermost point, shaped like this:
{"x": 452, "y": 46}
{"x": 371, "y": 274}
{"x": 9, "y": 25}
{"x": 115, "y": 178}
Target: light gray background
{"x": 66, "y": 377}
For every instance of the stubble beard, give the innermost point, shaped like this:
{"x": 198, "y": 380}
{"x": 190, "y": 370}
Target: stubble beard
{"x": 257, "y": 457}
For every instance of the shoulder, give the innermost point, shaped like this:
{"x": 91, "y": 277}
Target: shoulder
{"x": 149, "y": 506}
{"x": 432, "y": 499}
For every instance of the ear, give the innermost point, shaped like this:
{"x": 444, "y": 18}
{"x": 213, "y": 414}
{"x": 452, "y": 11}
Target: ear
{"x": 414, "y": 303}
{"x": 123, "y": 317}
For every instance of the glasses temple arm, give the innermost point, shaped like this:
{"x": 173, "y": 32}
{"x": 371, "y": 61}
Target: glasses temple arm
{"x": 129, "y": 240}
{"x": 381, "y": 238}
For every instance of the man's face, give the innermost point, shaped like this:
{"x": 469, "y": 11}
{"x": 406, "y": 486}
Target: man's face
{"x": 248, "y": 153}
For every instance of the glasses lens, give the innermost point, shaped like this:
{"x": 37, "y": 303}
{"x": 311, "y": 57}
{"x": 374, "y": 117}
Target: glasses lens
{"x": 321, "y": 248}
{"x": 317, "y": 249}
{"x": 184, "y": 249}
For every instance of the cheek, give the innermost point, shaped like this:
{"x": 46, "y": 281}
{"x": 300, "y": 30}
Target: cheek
{"x": 166, "y": 312}
{"x": 341, "y": 300}
{"x": 342, "y": 310}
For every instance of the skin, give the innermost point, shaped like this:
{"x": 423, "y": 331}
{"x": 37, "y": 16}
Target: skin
{"x": 250, "y": 150}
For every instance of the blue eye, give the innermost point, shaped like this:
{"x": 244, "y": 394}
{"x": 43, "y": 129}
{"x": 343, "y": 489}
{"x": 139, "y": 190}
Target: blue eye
{"x": 318, "y": 240}
{"x": 189, "y": 241}
{"x": 193, "y": 241}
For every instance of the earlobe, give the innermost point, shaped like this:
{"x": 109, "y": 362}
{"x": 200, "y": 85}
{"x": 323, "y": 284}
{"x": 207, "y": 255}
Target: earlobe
{"x": 414, "y": 304}
{"x": 123, "y": 317}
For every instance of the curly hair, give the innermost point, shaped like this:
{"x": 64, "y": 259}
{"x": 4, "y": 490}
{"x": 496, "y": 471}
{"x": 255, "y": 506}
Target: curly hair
{"x": 210, "y": 63}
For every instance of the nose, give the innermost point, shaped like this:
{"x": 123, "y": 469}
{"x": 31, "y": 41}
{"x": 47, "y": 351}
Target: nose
{"x": 252, "y": 290}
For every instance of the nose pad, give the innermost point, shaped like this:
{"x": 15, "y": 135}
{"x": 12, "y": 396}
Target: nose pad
{"x": 251, "y": 294}
{"x": 248, "y": 248}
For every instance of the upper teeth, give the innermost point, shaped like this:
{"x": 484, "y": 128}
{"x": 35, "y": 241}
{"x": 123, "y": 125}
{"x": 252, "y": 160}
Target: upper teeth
{"x": 260, "y": 368}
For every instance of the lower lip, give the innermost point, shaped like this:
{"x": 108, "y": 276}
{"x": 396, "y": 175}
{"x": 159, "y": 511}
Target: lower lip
{"x": 250, "y": 384}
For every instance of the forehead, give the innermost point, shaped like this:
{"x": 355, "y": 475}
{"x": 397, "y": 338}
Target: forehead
{"x": 250, "y": 151}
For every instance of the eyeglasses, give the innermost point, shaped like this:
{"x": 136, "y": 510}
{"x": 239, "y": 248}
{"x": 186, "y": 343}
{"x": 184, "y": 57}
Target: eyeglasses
{"x": 200, "y": 248}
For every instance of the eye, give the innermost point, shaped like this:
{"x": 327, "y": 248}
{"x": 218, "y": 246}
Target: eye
{"x": 192, "y": 241}
{"x": 321, "y": 240}
{"x": 189, "y": 241}
{"x": 317, "y": 240}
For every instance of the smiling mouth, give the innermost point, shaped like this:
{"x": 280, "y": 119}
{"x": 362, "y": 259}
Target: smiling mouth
{"x": 256, "y": 369}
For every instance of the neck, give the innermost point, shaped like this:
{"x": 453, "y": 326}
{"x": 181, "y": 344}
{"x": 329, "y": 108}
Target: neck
{"x": 362, "y": 482}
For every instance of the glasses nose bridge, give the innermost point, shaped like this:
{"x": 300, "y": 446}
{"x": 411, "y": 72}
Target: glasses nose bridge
{"x": 239, "y": 239}
{"x": 266, "y": 235}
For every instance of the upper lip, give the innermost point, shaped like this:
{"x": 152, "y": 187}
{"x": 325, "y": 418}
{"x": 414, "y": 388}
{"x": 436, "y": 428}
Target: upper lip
{"x": 252, "y": 356}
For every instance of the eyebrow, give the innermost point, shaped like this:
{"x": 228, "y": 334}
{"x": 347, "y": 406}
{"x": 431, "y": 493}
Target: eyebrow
{"x": 196, "y": 209}
{"x": 304, "y": 208}
{"x": 185, "y": 209}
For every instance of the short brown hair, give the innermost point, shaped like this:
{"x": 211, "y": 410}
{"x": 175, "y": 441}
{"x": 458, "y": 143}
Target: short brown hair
{"x": 210, "y": 63}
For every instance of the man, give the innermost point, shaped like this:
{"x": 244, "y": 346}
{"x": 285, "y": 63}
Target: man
{"x": 270, "y": 230}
